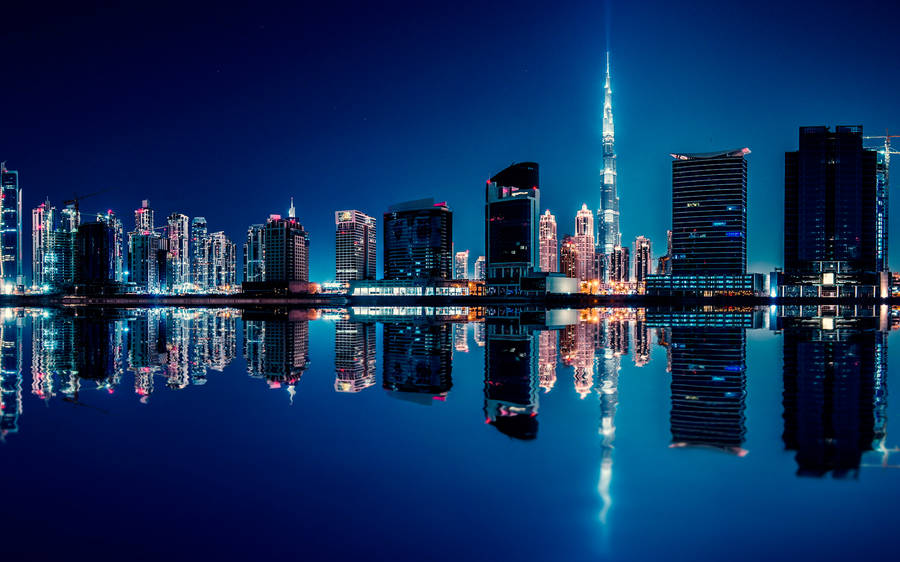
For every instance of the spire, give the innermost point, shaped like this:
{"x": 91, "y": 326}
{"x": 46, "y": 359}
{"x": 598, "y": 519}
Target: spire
{"x": 292, "y": 213}
{"x": 608, "y": 131}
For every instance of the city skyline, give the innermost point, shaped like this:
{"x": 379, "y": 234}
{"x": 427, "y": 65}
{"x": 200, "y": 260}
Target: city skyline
{"x": 704, "y": 118}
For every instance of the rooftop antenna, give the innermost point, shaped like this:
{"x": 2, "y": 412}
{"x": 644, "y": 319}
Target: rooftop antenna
{"x": 292, "y": 212}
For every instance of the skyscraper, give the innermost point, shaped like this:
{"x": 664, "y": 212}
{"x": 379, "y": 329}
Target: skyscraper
{"x": 461, "y": 265}
{"x": 10, "y": 230}
{"x": 354, "y": 246}
{"x": 568, "y": 257}
{"x": 254, "y": 254}
{"x": 549, "y": 245}
{"x": 608, "y": 234}
{"x": 117, "y": 241}
{"x": 43, "y": 226}
{"x": 512, "y": 208}
{"x": 286, "y": 252}
{"x": 620, "y": 263}
{"x": 418, "y": 240}
{"x": 584, "y": 239}
{"x": 179, "y": 253}
{"x": 643, "y": 260}
{"x": 199, "y": 258}
{"x": 220, "y": 275}
{"x": 143, "y": 217}
{"x": 830, "y": 214}
{"x": 480, "y": 269}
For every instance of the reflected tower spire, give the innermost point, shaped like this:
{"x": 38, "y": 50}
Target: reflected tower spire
{"x": 608, "y": 235}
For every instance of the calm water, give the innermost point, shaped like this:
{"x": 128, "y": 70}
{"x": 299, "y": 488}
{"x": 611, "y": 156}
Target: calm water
{"x": 448, "y": 434}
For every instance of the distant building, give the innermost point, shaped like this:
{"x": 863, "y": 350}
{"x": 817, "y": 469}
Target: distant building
{"x": 418, "y": 241}
{"x": 620, "y": 262}
{"x": 10, "y": 230}
{"x": 643, "y": 260}
{"x": 221, "y": 269}
{"x": 143, "y": 217}
{"x": 480, "y": 269}
{"x": 199, "y": 258}
{"x": 179, "y": 250}
{"x": 568, "y": 257}
{"x": 355, "y": 246}
{"x": 461, "y": 265}
{"x": 254, "y": 254}
{"x": 831, "y": 215}
{"x": 143, "y": 265}
{"x": 512, "y": 206}
{"x": 549, "y": 245}
{"x": 44, "y": 221}
{"x": 584, "y": 239}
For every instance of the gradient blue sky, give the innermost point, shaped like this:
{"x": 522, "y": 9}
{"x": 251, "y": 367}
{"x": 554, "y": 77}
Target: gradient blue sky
{"x": 226, "y": 111}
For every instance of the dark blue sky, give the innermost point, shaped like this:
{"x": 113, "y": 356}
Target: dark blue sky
{"x": 227, "y": 111}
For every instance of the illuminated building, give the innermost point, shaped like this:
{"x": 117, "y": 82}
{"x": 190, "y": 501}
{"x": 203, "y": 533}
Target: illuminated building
{"x": 584, "y": 240}
{"x": 643, "y": 260}
{"x": 835, "y": 370}
{"x": 461, "y": 265}
{"x": 143, "y": 266}
{"x": 480, "y": 269}
{"x": 117, "y": 244}
{"x": 285, "y": 257}
{"x": 882, "y": 207}
{"x": 417, "y": 359}
{"x": 221, "y": 258}
{"x": 568, "y": 257}
{"x": 10, "y": 230}
{"x": 831, "y": 215}
{"x": 354, "y": 356}
{"x": 199, "y": 258}
{"x": 608, "y": 234}
{"x": 254, "y": 254}
{"x": 179, "y": 251}
{"x": 143, "y": 218}
{"x": 512, "y": 207}
{"x": 418, "y": 239}
{"x": 354, "y": 246}
{"x": 619, "y": 265}
{"x": 43, "y": 227}
{"x": 549, "y": 245}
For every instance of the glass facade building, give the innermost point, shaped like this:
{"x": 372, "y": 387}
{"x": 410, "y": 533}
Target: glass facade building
{"x": 418, "y": 241}
{"x": 354, "y": 246}
{"x": 511, "y": 226}
{"x": 10, "y": 229}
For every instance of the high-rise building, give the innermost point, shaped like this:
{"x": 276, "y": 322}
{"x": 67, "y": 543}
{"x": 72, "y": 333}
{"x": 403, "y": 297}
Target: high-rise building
{"x": 95, "y": 256}
{"x": 143, "y": 218}
{"x": 620, "y": 262}
{"x": 831, "y": 214}
{"x": 10, "y": 230}
{"x": 480, "y": 269}
{"x": 512, "y": 209}
{"x": 643, "y": 260}
{"x": 584, "y": 239}
{"x": 882, "y": 190}
{"x": 118, "y": 248}
{"x": 199, "y": 257}
{"x": 418, "y": 241}
{"x": 143, "y": 265}
{"x": 221, "y": 275}
{"x": 549, "y": 245}
{"x": 568, "y": 257}
{"x": 461, "y": 265}
{"x": 286, "y": 251}
{"x": 254, "y": 254}
{"x": 179, "y": 250}
{"x": 608, "y": 233}
{"x": 354, "y": 245}
{"x": 44, "y": 220}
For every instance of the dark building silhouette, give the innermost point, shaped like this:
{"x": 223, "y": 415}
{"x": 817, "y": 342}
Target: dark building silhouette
{"x": 418, "y": 241}
{"x": 835, "y": 370}
{"x": 418, "y": 358}
{"x": 512, "y": 209}
{"x": 95, "y": 245}
{"x": 830, "y": 214}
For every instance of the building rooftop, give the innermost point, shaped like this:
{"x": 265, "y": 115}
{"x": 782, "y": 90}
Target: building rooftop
{"x": 733, "y": 153}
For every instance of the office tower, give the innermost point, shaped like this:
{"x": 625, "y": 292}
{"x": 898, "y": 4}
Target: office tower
{"x": 709, "y": 213}
{"x": 418, "y": 241}
{"x": 511, "y": 379}
{"x": 199, "y": 258}
{"x": 568, "y": 257}
{"x": 882, "y": 190}
{"x": 165, "y": 265}
{"x": 549, "y": 245}
{"x": 95, "y": 256}
{"x": 512, "y": 207}
{"x": 643, "y": 260}
{"x": 142, "y": 260}
{"x": 179, "y": 253}
{"x": 10, "y": 230}
{"x": 830, "y": 213}
{"x": 354, "y": 356}
{"x": 117, "y": 242}
{"x": 608, "y": 234}
{"x": 620, "y": 262}
{"x": 286, "y": 254}
{"x": 354, "y": 246}
{"x": 461, "y": 265}
{"x": 59, "y": 261}
{"x": 708, "y": 384}
{"x": 143, "y": 218}
{"x": 254, "y": 254}
{"x": 835, "y": 374}
{"x": 584, "y": 240}
{"x": 220, "y": 252}
{"x": 417, "y": 359}
{"x": 480, "y": 269}
{"x": 43, "y": 226}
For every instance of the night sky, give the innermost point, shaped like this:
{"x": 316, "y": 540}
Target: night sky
{"x": 228, "y": 111}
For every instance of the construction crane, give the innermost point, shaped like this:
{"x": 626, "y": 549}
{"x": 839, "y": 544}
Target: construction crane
{"x": 74, "y": 201}
{"x": 886, "y": 150}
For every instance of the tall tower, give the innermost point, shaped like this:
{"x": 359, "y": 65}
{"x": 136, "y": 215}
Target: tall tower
{"x": 584, "y": 239}
{"x": 10, "y": 229}
{"x": 608, "y": 234}
{"x": 549, "y": 246}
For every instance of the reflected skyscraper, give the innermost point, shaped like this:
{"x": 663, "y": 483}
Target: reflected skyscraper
{"x": 511, "y": 379}
{"x": 354, "y": 356}
{"x": 10, "y": 371}
{"x": 417, "y": 359}
{"x": 461, "y": 337}
{"x": 279, "y": 348}
{"x": 547, "y": 359}
{"x": 835, "y": 370}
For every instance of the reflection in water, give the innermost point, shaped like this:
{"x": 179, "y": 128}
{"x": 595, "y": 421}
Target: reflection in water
{"x": 10, "y": 373}
{"x": 417, "y": 359}
{"x": 834, "y": 390}
{"x": 354, "y": 355}
{"x": 278, "y": 348}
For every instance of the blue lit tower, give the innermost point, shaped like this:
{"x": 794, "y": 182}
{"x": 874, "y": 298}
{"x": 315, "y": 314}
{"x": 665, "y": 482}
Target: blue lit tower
{"x": 10, "y": 228}
{"x": 608, "y": 234}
